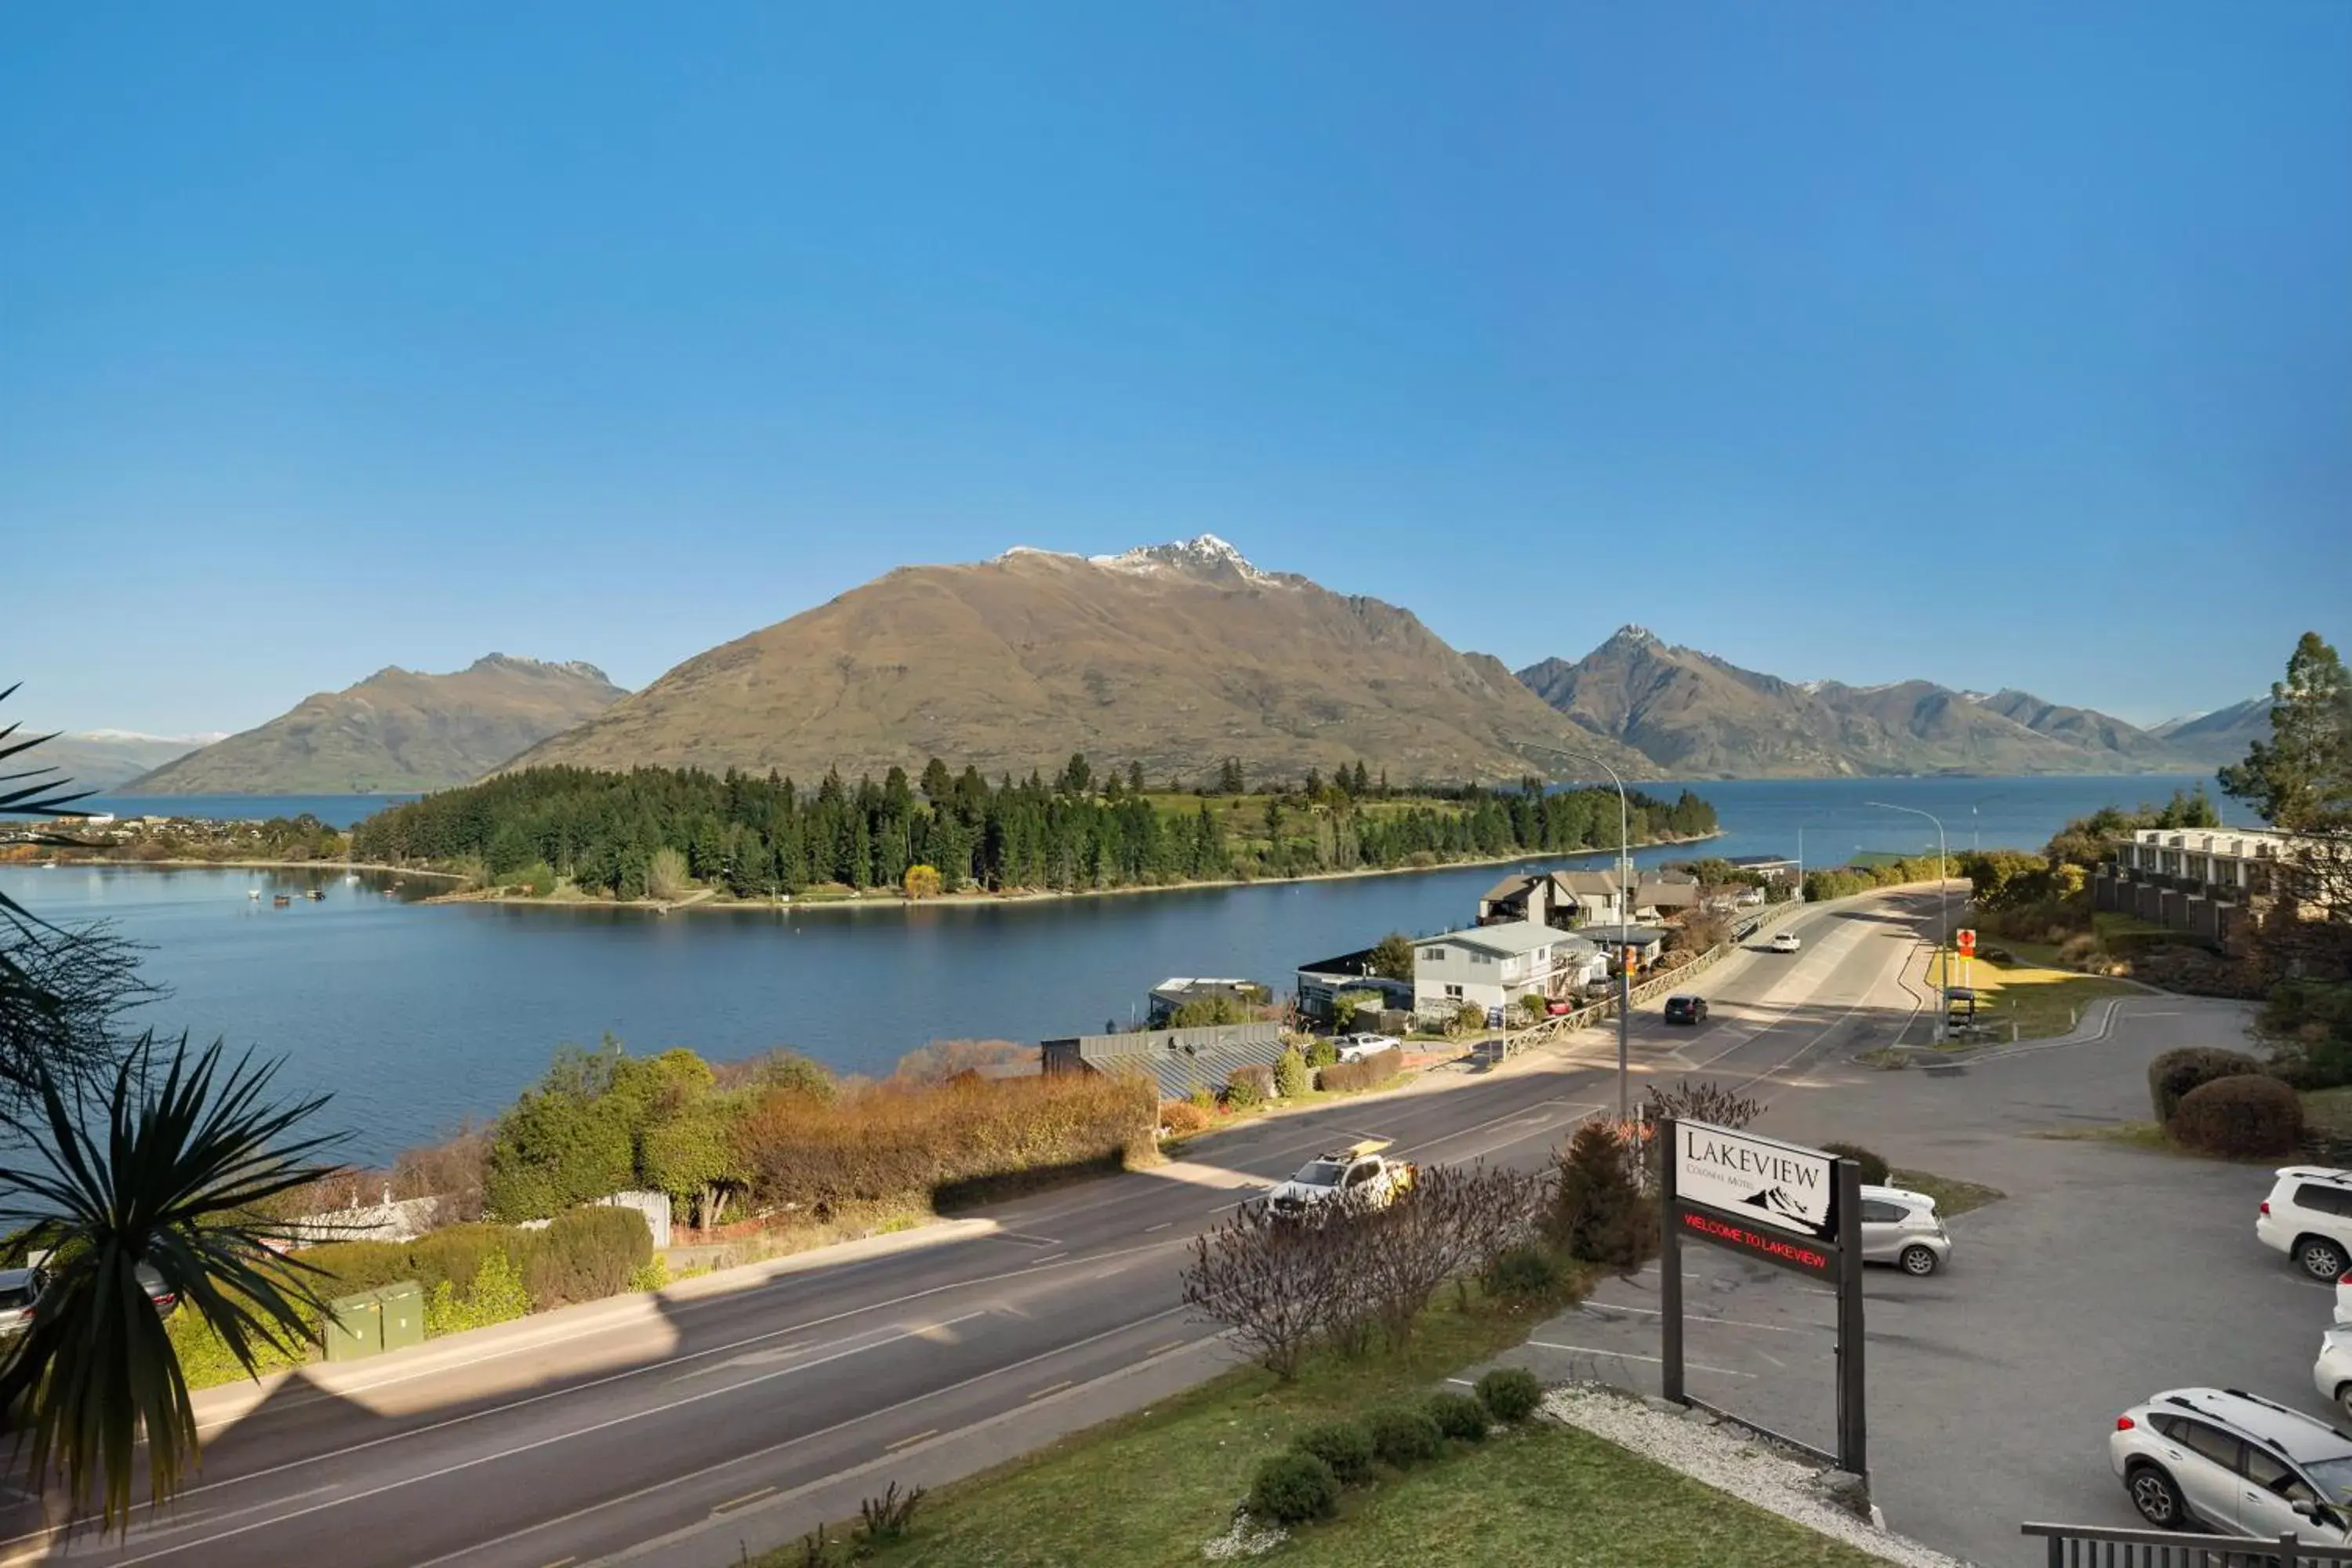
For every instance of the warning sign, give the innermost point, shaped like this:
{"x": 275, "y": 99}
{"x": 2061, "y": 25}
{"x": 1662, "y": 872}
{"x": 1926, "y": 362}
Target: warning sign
{"x": 1967, "y": 939}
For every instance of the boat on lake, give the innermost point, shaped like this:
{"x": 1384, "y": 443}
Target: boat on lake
{"x": 282, "y": 901}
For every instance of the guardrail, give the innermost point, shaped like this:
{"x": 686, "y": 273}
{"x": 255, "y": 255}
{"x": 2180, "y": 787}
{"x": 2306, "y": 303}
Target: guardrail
{"x": 2088, "y": 1546}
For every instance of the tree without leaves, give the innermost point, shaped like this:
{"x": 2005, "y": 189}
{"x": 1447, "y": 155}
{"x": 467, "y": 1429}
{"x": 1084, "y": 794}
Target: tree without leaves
{"x": 1274, "y": 1281}
{"x": 1708, "y": 1102}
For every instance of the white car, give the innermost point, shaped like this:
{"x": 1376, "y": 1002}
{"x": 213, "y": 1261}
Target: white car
{"x": 2308, "y": 1217}
{"x": 2331, "y": 1375}
{"x": 1356, "y": 1047}
{"x": 1901, "y": 1226}
{"x": 1785, "y": 941}
{"x": 1357, "y": 1174}
{"x": 2234, "y": 1462}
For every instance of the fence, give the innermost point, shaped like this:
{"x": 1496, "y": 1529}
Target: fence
{"x": 2087, "y": 1546}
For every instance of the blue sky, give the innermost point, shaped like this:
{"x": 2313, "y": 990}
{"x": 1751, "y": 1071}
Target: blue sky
{"x": 2003, "y": 344}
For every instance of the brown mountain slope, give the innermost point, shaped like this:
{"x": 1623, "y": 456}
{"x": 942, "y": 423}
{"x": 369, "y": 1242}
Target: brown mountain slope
{"x": 1698, "y": 716}
{"x": 1172, "y": 656}
{"x": 397, "y": 729}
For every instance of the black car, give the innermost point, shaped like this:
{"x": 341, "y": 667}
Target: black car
{"x": 1685, "y": 1009}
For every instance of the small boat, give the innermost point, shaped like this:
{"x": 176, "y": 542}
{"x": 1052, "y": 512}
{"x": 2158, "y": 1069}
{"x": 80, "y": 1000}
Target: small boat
{"x": 281, "y": 901}
{"x": 351, "y": 877}
{"x": 254, "y": 894}
{"x": 314, "y": 895}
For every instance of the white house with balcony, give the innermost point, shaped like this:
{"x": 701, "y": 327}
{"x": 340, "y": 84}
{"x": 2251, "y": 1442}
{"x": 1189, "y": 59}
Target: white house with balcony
{"x": 1494, "y": 966}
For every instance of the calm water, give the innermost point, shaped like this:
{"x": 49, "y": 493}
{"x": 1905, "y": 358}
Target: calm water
{"x": 418, "y": 1017}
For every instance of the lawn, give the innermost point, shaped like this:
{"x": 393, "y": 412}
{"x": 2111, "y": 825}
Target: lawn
{"x": 2042, "y": 1003}
{"x": 1952, "y": 1195}
{"x": 1150, "y": 1488}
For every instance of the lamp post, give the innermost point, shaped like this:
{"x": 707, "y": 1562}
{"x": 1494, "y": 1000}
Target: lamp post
{"x": 1976, "y": 837}
{"x": 1943, "y": 905}
{"x": 1624, "y": 919}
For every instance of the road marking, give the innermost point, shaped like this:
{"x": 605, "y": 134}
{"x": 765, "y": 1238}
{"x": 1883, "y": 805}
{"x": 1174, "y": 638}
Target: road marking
{"x": 1629, "y": 1355}
{"x": 730, "y": 1505}
{"x": 528, "y": 1448}
{"x": 779, "y": 1447}
{"x": 1163, "y": 1349}
{"x": 1056, "y": 1257}
{"x": 893, "y": 1447}
{"x": 1022, "y": 1239}
{"x": 1163, "y": 1225}
{"x": 1597, "y": 1307}
{"x": 563, "y": 1562}
{"x": 1056, "y": 1388}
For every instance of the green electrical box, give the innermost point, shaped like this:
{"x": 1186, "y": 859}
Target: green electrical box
{"x": 355, "y": 1326}
{"x": 403, "y": 1314}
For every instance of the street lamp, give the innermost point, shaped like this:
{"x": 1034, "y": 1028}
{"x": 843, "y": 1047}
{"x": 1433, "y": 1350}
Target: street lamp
{"x": 1976, "y": 839}
{"x": 1624, "y": 922}
{"x": 1943, "y": 903}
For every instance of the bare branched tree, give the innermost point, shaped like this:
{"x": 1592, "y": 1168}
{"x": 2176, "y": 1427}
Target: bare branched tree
{"x": 1270, "y": 1278}
{"x": 1703, "y": 1102}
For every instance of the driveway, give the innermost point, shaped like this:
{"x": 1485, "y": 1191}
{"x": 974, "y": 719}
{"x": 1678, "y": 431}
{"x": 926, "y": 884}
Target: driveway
{"x": 2107, "y": 1274}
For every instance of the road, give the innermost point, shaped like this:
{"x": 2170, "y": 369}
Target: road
{"x": 569, "y": 1438}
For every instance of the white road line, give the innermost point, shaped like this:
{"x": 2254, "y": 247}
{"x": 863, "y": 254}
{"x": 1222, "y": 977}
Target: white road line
{"x": 789, "y": 1442}
{"x": 541, "y": 1442}
{"x": 1598, "y": 1307}
{"x": 1629, "y": 1355}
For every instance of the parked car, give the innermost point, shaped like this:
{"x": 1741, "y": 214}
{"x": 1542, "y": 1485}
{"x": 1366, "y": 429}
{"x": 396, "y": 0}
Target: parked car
{"x": 19, "y": 1289}
{"x": 1356, "y": 1047}
{"x": 2308, "y": 1217}
{"x": 2344, "y": 1299}
{"x": 2236, "y": 1463}
{"x": 1358, "y": 1172}
{"x": 1685, "y": 1009}
{"x": 1785, "y": 941}
{"x": 1902, "y": 1227}
{"x": 151, "y": 1280}
{"x": 2332, "y": 1372}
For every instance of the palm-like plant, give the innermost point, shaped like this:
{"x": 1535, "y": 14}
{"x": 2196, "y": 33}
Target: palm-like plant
{"x": 168, "y": 1167}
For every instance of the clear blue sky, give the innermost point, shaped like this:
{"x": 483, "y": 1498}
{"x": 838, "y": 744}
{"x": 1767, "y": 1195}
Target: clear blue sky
{"x": 333, "y": 337}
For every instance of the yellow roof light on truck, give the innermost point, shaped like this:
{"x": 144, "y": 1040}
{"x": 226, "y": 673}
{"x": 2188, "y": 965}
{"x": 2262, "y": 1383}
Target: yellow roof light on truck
{"x": 1368, "y": 1146}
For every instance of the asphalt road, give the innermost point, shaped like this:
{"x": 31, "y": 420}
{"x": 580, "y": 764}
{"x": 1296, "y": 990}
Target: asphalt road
{"x": 562, "y": 1441}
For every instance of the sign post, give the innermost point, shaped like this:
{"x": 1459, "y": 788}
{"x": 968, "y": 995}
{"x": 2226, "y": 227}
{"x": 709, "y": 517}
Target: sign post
{"x": 1782, "y": 1204}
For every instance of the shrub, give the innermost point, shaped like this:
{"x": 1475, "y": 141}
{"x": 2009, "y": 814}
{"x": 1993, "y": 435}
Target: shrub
{"x": 538, "y": 880}
{"x": 1201, "y": 1098}
{"x": 1345, "y": 1445}
{"x": 1875, "y": 1168}
{"x": 1242, "y": 1091}
{"x": 1526, "y": 1272}
{"x": 1290, "y": 1078}
{"x": 1345, "y": 1078}
{"x": 2241, "y": 1116}
{"x": 1510, "y": 1393}
{"x": 1294, "y": 1488}
{"x": 586, "y": 1254}
{"x": 2174, "y": 1074}
{"x": 1403, "y": 1436}
{"x": 1599, "y": 1214}
{"x": 1468, "y": 1018}
{"x": 665, "y": 874}
{"x": 1384, "y": 1065}
{"x": 1533, "y": 1005}
{"x": 1182, "y": 1117}
{"x": 1458, "y": 1416}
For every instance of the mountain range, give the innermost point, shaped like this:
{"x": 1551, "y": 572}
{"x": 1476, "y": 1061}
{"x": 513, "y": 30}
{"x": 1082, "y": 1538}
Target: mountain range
{"x": 396, "y": 730}
{"x": 102, "y": 759}
{"x": 2221, "y": 736}
{"x": 1698, "y": 716}
{"x": 1172, "y": 657}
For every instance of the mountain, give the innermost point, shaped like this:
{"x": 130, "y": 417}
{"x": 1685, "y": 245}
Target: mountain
{"x": 2223, "y": 735}
{"x": 101, "y": 759}
{"x": 1699, "y": 716}
{"x": 397, "y": 729}
{"x": 1173, "y": 656}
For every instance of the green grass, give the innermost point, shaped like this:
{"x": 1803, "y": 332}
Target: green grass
{"x": 1150, "y": 1488}
{"x": 2136, "y": 1134}
{"x": 1952, "y": 1195}
{"x": 2042, "y": 1003}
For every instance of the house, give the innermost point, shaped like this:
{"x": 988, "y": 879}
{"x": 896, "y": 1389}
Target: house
{"x": 1177, "y": 1060}
{"x": 1522, "y": 896}
{"x": 1642, "y": 943}
{"x": 1321, "y": 983}
{"x": 1774, "y": 868}
{"x": 2205, "y": 881}
{"x": 1494, "y": 966}
{"x": 1175, "y": 992}
{"x": 1561, "y": 900}
{"x": 1595, "y": 895}
{"x": 1666, "y": 897}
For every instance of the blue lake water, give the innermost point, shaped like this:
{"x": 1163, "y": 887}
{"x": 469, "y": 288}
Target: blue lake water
{"x": 416, "y": 1017}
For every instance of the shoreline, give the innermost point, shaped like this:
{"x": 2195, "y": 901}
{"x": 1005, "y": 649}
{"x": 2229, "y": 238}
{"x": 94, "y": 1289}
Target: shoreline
{"x": 181, "y": 863}
{"x": 706, "y": 900}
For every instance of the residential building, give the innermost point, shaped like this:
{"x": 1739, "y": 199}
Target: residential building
{"x": 1773, "y": 868}
{"x": 1641, "y": 944}
{"x": 1321, "y": 983}
{"x": 1177, "y": 1060}
{"x": 1665, "y": 898}
{"x": 1494, "y": 966}
{"x": 2205, "y": 881}
{"x": 1561, "y": 900}
{"x": 1173, "y": 992}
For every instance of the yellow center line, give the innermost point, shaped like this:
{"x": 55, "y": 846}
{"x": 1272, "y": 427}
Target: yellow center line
{"x": 1057, "y": 1388}
{"x": 902, "y": 1442}
{"x": 722, "y": 1507}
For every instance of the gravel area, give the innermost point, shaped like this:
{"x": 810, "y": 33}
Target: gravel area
{"x": 1732, "y": 1459}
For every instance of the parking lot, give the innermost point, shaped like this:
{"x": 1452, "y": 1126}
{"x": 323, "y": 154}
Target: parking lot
{"x": 2108, "y": 1273}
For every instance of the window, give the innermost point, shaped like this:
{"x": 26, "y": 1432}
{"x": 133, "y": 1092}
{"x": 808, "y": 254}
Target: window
{"x": 1455, "y": 991}
{"x": 2268, "y": 1471}
{"x": 2168, "y": 1425}
{"x": 1874, "y": 1212}
{"x": 2210, "y": 1441}
{"x": 1434, "y": 954}
{"x": 2327, "y": 1200}
{"x": 1362, "y": 1173}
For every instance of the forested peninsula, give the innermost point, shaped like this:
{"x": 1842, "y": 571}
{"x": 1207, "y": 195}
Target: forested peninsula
{"x": 670, "y": 834}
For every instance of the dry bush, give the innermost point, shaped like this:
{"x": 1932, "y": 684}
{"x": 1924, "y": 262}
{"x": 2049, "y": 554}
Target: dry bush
{"x": 1453, "y": 1221}
{"x": 1182, "y": 1118}
{"x": 2240, "y": 1118}
{"x": 1274, "y": 1281}
{"x": 894, "y": 1141}
{"x": 943, "y": 1060}
{"x": 1702, "y": 1102}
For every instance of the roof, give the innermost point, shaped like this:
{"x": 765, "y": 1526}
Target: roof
{"x": 2298, "y": 1435}
{"x": 1516, "y": 938}
{"x": 1509, "y": 888}
{"x": 1617, "y": 935}
{"x": 1752, "y": 861}
{"x": 1587, "y": 881}
{"x": 1666, "y": 893}
{"x": 1176, "y": 984}
{"x": 1179, "y": 1060}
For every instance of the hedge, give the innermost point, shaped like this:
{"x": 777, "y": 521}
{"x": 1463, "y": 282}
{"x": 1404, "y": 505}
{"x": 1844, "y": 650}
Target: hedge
{"x": 1341, "y": 1078}
{"x": 2240, "y": 1117}
{"x": 1875, "y": 1168}
{"x": 2174, "y": 1073}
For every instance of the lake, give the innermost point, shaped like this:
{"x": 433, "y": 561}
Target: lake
{"x": 416, "y": 1017}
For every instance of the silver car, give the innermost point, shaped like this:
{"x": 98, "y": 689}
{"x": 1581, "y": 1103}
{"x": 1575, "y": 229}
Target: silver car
{"x": 2236, "y": 1463}
{"x": 1900, "y": 1226}
{"x": 19, "y": 1289}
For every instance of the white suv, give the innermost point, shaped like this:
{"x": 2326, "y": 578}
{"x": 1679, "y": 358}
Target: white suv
{"x": 2235, "y": 1462}
{"x": 2308, "y": 1217}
